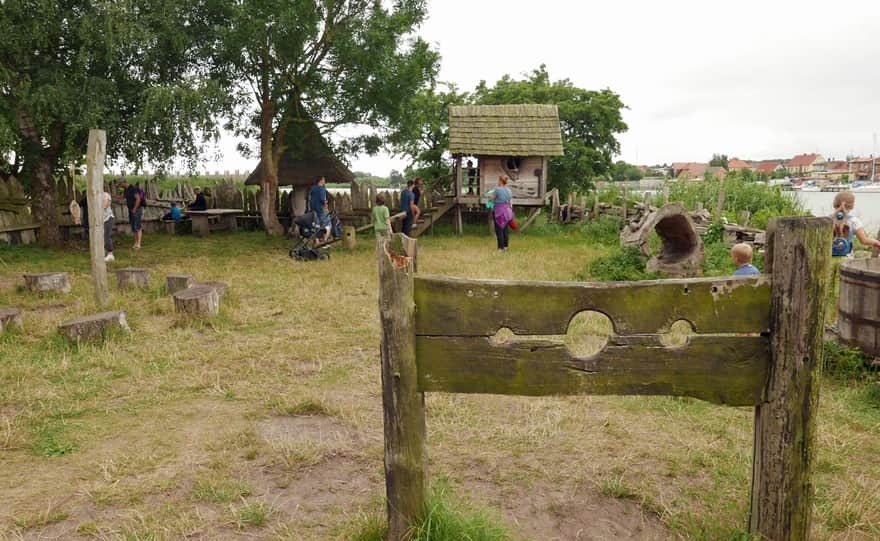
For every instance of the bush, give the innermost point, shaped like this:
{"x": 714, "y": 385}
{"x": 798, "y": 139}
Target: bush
{"x": 843, "y": 363}
{"x": 628, "y": 263}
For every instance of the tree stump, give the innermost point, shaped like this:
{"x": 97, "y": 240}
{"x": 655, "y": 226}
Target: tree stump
{"x": 178, "y": 282}
{"x": 10, "y": 318}
{"x": 89, "y": 328}
{"x": 220, "y": 287}
{"x": 44, "y": 282}
{"x": 197, "y": 301}
{"x": 349, "y": 237}
{"x": 132, "y": 278}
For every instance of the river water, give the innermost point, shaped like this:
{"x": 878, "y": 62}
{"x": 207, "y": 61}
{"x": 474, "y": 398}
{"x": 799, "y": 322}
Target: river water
{"x": 867, "y": 206}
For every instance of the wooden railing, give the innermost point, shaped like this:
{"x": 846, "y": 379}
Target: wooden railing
{"x": 758, "y": 343}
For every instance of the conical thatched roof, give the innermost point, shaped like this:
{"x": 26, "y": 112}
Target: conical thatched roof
{"x": 308, "y": 156}
{"x": 505, "y": 130}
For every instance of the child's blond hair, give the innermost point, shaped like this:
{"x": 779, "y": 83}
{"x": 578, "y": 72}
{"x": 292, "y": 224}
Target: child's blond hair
{"x": 845, "y": 198}
{"x": 741, "y": 254}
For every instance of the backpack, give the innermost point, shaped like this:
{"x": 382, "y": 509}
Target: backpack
{"x": 842, "y": 244}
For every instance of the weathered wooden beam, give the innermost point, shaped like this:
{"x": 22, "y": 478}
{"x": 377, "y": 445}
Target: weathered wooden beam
{"x": 402, "y": 402}
{"x": 465, "y": 307}
{"x": 533, "y": 214}
{"x": 785, "y": 426}
{"x": 729, "y": 370}
{"x": 97, "y": 150}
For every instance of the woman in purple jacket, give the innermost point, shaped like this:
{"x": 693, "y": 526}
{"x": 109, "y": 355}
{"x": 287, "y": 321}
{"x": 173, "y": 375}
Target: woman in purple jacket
{"x": 503, "y": 210}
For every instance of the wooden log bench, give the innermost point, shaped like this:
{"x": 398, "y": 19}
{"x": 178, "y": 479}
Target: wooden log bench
{"x": 10, "y": 319}
{"x": 133, "y": 278}
{"x": 197, "y": 302}
{"x": 47, "y": 282}
{"x": 206, "y": 221}
{"x": 94, "y": 327}
{"x": 175, "y": 227}
{"x": 758, "y": 344}
{"x": 178, "y": 282}
{"x": 19, "y": 233}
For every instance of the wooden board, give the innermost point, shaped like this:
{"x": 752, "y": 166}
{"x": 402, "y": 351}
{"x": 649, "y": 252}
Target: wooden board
{"x": 729, "y": 370}
{"x": 463, "y": 307}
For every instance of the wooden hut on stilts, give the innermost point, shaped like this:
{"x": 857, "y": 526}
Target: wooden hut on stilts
{"x": 487, "y": 141}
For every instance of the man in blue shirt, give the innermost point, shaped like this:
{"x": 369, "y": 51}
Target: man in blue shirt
{"x": 318, "y": 199}
{"x": 408, "y": 205}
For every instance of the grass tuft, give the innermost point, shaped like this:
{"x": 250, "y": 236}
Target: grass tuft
{"x": 448, "y": 519}
{"x": 253, "y": 514}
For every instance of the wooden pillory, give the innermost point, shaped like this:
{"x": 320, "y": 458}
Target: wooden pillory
{"x": 758, "y": 343}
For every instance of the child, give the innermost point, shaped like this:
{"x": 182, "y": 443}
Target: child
{"x": 381, "y": 217}
{"x": 847, "y": 226}
{"x": 742, "y": 258}
{"x": 173, "y": 214}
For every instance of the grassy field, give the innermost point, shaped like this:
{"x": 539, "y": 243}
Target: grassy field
{"x": 266, "y": 422}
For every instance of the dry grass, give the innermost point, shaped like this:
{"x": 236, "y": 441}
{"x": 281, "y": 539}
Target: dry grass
{"x": 266, "y": 421}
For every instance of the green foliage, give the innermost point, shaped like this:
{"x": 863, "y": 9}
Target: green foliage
{"x": 603, "y": 230}
{"x": 590, "y": 120}
{"x": 762, "y": 201}
{"x": 448, "y": 519}
{"x": 626, "y": 264}
{"x": 624, "y": 171}
{"x": 714, "y": 234}
{"x": 843, "y": 363}
{"x": 719, "y": 160}
{"x": 423, "y": 136}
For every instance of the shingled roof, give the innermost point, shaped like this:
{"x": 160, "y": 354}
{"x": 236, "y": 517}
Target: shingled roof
{"x": 505, "y": 130}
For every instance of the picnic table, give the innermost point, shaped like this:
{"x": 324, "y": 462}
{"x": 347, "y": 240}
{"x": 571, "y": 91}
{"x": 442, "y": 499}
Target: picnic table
{"x": 205, "y": 221}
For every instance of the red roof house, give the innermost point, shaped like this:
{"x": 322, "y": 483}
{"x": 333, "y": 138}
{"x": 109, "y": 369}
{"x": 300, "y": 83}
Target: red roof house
{"x": 737, "y": 164}
{"x": 804, "y": 164}
{"x": 769, "y": 167}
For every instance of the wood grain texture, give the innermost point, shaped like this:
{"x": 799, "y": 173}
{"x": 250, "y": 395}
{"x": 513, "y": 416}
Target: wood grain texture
{"x": 463, "y": 307}
{"x": 785, "y": 426}
{"x": 729, "y": 370}
{"x": 95, "y": 155}
{"x": 402, "y": 404}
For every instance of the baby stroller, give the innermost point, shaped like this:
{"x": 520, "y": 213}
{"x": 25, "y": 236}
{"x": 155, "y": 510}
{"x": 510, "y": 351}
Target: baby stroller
{"x": 310, "y": 232}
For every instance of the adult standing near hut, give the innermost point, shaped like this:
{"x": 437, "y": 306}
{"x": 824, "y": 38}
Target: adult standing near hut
{"x": 417, "y": 191}
{"x": 134, "y": 200}
{"x": 408, "y": 205}
{"x": 318, "y": 199}
{"x": 503, "y": 211}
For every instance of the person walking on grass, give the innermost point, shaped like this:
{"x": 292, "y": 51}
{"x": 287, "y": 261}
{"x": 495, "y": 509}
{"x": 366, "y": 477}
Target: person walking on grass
{"x": 134, "y": 200}
{"x": 109, "y": 220}
{"x": 502, "y": 209}
{"x": 381, "y": 217}
{"x": 408, "y": 205}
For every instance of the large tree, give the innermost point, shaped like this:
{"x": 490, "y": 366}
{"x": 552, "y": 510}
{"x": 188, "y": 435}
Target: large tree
{"x": 424, "y": 135}
{"x": 132, "y": 68}
{"x": 590, "y": 120}
{"x": 334, "y": 64}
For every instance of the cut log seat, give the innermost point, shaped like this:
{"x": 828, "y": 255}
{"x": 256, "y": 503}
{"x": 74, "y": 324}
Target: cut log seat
{"x": 95, "y": 327}
{"x": 177, "y": 282}
{"x": 10, "y": 318}
{"x": 45, "y": 282}
{"x": 221, "y": 287}
{"x": 133, "y": 278}
{"x": 197, "y": 301}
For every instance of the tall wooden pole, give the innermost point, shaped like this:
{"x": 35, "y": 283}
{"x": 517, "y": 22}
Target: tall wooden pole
{"x": 799, "y": 260}
{"x": 97, "y": 151}
{"x": 402, "y": 404}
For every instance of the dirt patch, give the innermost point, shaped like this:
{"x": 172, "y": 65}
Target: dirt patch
{"x": 307, "y": 429}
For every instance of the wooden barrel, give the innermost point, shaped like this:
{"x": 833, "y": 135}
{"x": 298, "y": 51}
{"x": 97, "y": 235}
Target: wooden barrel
{"x": 858, "y": 310}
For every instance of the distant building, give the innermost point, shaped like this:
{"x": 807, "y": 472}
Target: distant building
{"x": 862, "y": 168}
{"x": 737, "y": 164}
{"x": 689, "y": 170}
{"x": 837, "y": 170}
{"x": 769, "y": 167}
{"x": 806, "y": 164}
{"x": 716, "y": 172}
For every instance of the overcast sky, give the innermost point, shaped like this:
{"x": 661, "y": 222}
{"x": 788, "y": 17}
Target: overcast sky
{"x": 752, "y": 79}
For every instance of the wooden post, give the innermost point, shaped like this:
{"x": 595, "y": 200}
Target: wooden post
{"x": 403, "y": 405}
{"x": 720, "y": 206}
{"x": 595, "y": 213}
{"x": 799, "y": 259}
{"x": 96, "y": 153}
{"x": 491, "y": 223}
{"x": 624, "y": 204}
{"x": 457, "y": 223}
{"x": 349, "y": 237}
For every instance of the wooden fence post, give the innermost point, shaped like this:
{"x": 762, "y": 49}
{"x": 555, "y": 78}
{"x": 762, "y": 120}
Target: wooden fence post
{"x": 97, "y": 150}
{"x": 799, "y": 259}
{"x": 403, "y": 405}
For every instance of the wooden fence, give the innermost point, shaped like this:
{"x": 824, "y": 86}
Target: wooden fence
{"x": 758, "y": 343}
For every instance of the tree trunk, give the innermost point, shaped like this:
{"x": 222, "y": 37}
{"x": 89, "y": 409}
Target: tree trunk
{"x": 269, "y": 182}
{"x": 43, "y": 204}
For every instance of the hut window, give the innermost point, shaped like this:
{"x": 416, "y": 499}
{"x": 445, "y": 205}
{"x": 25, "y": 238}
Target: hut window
{"x": 512, "y": 163}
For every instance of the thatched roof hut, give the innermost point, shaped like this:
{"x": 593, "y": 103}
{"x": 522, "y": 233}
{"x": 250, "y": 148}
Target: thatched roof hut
{"x": 308, "y": 156}
{"x": 511, "y": 140}
{"x": 505, "y": 130}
